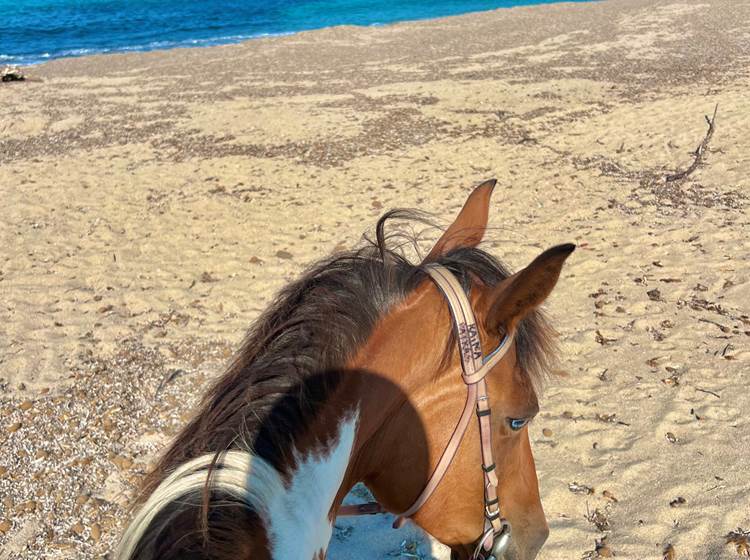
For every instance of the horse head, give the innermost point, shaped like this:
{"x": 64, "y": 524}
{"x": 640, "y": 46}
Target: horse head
{"x": 408, "y": 348}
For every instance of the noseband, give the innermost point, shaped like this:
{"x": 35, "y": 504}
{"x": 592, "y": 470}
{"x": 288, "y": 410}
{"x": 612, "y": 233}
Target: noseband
{"x": 496, "y": 533}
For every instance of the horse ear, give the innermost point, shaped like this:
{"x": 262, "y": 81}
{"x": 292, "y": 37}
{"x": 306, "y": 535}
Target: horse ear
{"x": 468, "y": 228}
{"x": 516, "y": 296}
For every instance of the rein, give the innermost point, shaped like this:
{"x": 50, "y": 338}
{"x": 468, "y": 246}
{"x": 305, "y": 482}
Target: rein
{"x": 496, "y": 533}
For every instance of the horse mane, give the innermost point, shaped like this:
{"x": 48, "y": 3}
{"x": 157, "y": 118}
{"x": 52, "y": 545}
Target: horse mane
{"x": 315, "y": 324}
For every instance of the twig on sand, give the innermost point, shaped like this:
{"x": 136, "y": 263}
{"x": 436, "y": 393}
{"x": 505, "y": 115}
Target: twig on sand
{"x": 709, "y": 392}
{"x": 168, "y": 378}
{"x": 699, "y": 151}
{"x": 723, "y": 328}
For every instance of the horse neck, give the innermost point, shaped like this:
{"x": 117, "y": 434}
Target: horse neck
{"x": 401, "y": 358}
{"x": 355, "y": 434}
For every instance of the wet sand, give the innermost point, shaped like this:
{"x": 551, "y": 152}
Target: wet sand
{"x": 153, "y": 204}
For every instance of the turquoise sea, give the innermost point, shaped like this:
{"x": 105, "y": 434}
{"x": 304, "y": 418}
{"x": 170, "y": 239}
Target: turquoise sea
{"x": 34, "y": 31}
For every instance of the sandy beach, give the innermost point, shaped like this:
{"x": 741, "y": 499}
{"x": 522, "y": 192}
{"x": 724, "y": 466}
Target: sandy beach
{"x": 153, "y": 204}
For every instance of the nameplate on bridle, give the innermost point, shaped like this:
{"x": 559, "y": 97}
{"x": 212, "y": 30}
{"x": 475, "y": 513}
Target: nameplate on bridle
{"x": 468, "y": 342}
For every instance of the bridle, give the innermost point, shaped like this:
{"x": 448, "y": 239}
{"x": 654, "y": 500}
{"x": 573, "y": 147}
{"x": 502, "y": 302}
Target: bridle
{"x": 496, "y": 533}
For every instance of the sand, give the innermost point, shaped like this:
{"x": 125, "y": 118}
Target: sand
{"x": 153, "y": 203}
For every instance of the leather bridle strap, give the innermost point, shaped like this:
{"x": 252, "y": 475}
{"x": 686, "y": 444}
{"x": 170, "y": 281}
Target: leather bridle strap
{"x": 475, "y": 368}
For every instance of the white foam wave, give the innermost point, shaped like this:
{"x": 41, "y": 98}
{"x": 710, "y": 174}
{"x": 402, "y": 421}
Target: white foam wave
{"x": 37, "y": 58}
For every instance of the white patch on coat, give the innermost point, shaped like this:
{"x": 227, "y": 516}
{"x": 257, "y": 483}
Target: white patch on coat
{"x": 295, "y": 517}
{"x": 299, "y": 527}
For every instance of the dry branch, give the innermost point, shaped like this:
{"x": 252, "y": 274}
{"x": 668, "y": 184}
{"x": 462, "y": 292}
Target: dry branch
{"x": 11, "y": 74}
{"x": 699, "y": 151}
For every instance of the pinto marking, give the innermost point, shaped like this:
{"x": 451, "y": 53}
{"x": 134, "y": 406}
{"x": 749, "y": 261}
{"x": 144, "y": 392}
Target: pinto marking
{"x": 299, "y": 525}
{"x": 296, "y": 515}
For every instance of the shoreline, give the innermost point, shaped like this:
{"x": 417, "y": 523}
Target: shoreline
{"x": 156, "y": 202}
{"x": 221, "y": 41}
{"x": 494, "y": 24}
{"x": 187, "y": 44}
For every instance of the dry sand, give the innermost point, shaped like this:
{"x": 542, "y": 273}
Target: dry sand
{"x": 152, "y": 204}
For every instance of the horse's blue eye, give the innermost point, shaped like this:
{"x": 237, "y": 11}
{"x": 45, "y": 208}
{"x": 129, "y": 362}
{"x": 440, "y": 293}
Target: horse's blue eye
{"x": 517, "y": 423}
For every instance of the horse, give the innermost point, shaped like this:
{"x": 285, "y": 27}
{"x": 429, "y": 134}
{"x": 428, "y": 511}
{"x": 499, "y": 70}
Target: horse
{"x": 352, "y": 375}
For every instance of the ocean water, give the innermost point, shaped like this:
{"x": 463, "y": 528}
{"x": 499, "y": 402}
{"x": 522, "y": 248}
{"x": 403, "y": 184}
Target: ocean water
{"x": 33, "y": 31}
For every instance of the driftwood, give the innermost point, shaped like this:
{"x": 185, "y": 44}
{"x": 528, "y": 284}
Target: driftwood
{"x": 699, "y": 151}
{"x": 11, "y": 74}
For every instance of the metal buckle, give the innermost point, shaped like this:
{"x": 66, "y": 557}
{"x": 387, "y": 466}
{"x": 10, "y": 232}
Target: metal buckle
{"x": 500, "y": 542}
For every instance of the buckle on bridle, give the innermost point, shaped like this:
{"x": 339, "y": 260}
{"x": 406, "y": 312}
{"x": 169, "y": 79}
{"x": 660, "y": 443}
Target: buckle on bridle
{"x": 501, "y": 540}
{"x": 500, "y": 543}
